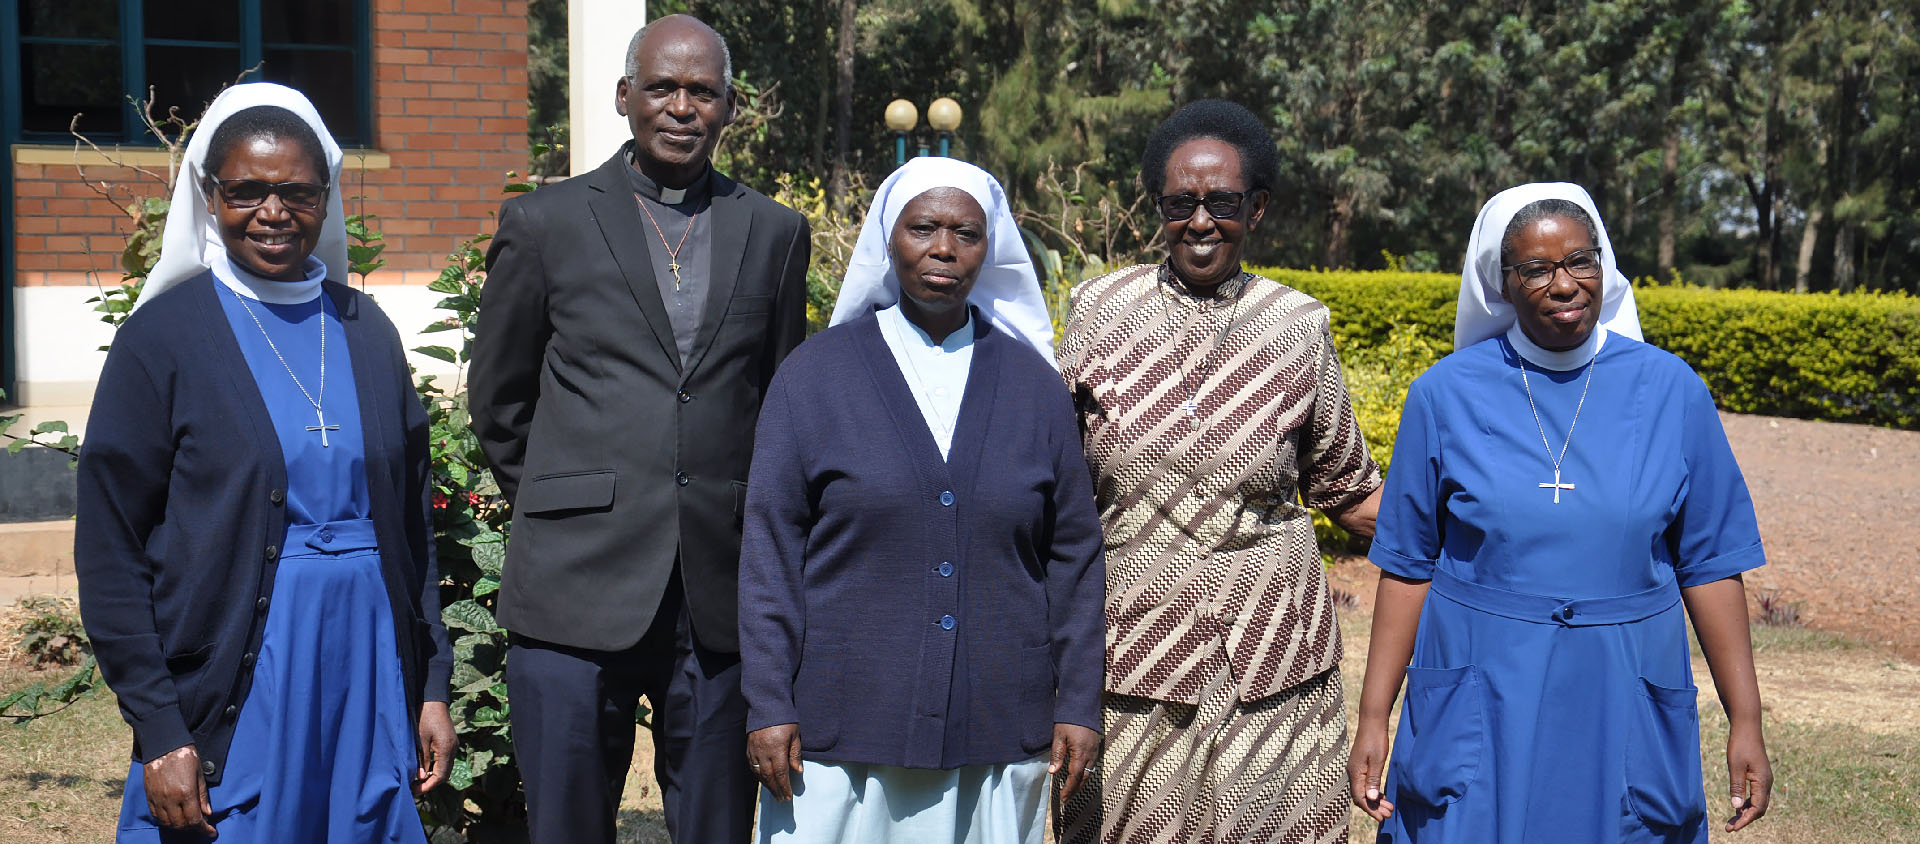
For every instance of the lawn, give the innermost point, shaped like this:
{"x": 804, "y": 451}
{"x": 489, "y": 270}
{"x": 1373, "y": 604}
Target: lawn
{"x": 1846, "y": 752}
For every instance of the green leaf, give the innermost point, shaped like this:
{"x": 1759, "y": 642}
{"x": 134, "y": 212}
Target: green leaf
{"x": 491, "y": 557}
{"x": 50, "y": 426}
{"x": 467, "y": 615}
{"x": 438, "y": 353}
{"x": 519, "y": 187}
{"x": 16, "y": 446}
{"x": 486, "y": 586}
{"x": 460, "y": 776}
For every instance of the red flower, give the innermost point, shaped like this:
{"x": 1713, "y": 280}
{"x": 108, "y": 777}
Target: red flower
{"x": 473, "y": 499}
{"x": 439, "y": 500}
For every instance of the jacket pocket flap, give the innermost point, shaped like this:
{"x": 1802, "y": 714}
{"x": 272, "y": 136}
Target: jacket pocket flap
{"x": 570, "y": 491}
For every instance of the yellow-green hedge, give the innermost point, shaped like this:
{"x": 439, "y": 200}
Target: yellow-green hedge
{"x": 1842, "y": 358}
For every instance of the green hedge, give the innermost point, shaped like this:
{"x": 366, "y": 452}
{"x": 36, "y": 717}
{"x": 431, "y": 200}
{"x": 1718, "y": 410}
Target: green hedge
{"x": 1840, "y": 358}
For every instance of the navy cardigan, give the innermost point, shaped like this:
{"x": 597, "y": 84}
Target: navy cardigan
{"x": 905, "y": 610}
{"x": 182, "y": 488}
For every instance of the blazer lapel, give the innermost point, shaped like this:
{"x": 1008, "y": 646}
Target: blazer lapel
{"x": 732, "y": 225}
{"x": 615, "y": 211}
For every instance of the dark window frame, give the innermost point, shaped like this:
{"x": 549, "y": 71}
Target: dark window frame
{"x": 132, "y": 42}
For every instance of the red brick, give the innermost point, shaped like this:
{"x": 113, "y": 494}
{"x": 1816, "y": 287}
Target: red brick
{"x": 453, "y": 91}
{"x": 506, "y": 93}
{"x": 456, "y": 23}
{"x": 107, "y": 244}
{"x": 388, "y": 37}
{"x": 403, "y": 90}
{"x": 478, "y": 74}
{"x": 394, "y": 55}
{"x": 455, "y": 125}
{"x": 472, "y": 41}
{"x": 404, "y": 123}
{"x": 436, "y": 7}
{"x": 429, "y": 73}
{"x": 503, "y": 125}
{"x": 428, "y": 39}
{"x": 505, "y": 58}
{"x": 480, "y": 141}
{"x": 432, "y": 107}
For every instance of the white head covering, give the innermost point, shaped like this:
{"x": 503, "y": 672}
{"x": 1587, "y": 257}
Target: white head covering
{"x": 191, "y": 243}
{"x": 1483, "y": 314}
{"x": 1007, "y": 291}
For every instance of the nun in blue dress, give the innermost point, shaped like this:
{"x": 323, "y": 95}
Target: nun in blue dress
{"x": 253, "y": 537}
{"x": 1562, "y": 501}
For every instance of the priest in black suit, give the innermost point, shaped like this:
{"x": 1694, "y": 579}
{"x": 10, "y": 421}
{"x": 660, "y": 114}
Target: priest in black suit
{"x": 631, "y": 320}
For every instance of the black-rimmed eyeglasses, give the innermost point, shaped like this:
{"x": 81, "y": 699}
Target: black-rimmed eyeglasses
{"x": 1221, "y": 205}
{"x": 1581, "y": 264}
{"x": 250, "y": 193}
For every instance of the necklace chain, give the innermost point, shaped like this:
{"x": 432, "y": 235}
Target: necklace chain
{"x": 1191, "y": 404}
{"x": 319, "y": 413}
{"x": 673, "y": 252}
{"x": 1543, "y": 428}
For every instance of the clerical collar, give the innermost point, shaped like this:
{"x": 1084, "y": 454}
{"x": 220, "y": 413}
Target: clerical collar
{"x": 241, "y": 281}
{"x": 961, "y": 337}
{"x": 1563, "y": 361}
{"x": 644, "y": 185}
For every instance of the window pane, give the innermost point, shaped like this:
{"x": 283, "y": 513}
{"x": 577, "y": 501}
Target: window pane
{"x": 189, "y": 77}
{"x": 326, "y": 77}
{"x": 312, "y": 22}
{"x": 194, "y": 20}
{"x": 61, "y": 80}
{"x": 70, "y": 18}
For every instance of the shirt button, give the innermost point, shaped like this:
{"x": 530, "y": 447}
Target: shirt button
{"x": 207, "y": 767}
{"x": 1566, "y": 613}
{"x": 685, "y": 397}
{"x": 946, "y": 622}
{"x": 940, "y": 392}
{"x": 946, "y": 569}
{"x": 681, "y": 478}
{"x": 260, "y": 605}
{"x": 946, "y": 498}
{"x": 272, "y": 553}
{"x": 326, "y": 535}
{"x": 277, "y": 496}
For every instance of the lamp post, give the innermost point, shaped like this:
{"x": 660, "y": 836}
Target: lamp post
{"x": 902, "y": 117}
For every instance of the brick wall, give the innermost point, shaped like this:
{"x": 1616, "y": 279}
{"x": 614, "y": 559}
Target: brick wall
{"x": 450, "y": 113}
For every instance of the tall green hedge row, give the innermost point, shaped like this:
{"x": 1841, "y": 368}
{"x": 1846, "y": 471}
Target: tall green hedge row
{"x": 1841, "y": 358}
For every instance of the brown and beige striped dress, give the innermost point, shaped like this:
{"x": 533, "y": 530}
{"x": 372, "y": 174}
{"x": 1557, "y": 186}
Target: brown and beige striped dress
{"x": 1208, "y": 421}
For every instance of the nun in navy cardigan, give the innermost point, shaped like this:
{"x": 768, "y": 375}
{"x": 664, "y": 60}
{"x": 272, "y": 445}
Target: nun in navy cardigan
{"x": 906, "y": 608}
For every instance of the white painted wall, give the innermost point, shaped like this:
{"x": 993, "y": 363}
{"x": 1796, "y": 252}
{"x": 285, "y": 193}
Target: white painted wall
{"x": 59, "y": 335}
{"x": 597, "y": 36}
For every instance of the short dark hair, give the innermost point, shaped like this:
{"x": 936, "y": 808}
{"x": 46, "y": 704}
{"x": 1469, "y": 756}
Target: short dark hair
{"x": 1541, "y": 209}
{"x": 265, "y": 121}
{"x": 1229, "y": 123}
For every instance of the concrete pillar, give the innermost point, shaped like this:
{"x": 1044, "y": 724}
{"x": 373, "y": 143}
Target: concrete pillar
{"x": 597, "y": 36}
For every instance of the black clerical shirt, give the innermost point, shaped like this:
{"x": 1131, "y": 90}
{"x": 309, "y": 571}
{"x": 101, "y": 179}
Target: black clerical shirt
{"x": 686, "y": 298}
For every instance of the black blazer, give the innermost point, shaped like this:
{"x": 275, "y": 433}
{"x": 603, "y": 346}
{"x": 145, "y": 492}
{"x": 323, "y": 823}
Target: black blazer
{"x": 615, "y": 458}
{"x": 182, "y": 487}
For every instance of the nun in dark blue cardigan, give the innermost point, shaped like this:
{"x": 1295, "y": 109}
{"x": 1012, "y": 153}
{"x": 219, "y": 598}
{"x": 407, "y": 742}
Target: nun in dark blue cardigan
{"x": 921, "y": 580}
{"x": 253, "y": 539}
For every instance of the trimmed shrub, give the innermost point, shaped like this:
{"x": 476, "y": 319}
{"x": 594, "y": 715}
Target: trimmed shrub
{"x": 1840, "y": 358}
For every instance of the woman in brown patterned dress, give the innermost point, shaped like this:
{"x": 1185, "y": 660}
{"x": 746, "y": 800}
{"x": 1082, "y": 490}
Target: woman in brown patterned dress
{"x": 1212, "y": 405}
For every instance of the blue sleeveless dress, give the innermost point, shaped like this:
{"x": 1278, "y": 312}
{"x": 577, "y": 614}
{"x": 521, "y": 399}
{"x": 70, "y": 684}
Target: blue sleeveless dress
{"x": 1550, "y": 695}
{"x": 323, "y": 749}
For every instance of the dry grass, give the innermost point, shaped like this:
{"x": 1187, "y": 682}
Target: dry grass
{"x": 1846, "y": 751}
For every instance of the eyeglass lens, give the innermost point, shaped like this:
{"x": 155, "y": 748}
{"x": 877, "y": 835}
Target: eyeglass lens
{"x": 1221, "y": 205}
{"x": 1584, "y": 264}
{"x": 249, "y": 193}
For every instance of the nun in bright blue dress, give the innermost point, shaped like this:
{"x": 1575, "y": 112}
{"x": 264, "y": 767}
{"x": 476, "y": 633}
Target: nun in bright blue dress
{"x": 1561, "y": 498}
{"x": 253, "y": 530}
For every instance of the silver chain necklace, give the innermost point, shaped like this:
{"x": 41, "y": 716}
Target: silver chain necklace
{"x": 1191, "y": 404}
{"x": 319, "y": 415}
{"x": 1556, "y": 486}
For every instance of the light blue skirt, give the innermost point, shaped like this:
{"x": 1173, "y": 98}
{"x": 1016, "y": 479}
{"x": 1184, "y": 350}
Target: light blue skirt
{"x": 856, "y": 803}
{"x": 322, "y": 752}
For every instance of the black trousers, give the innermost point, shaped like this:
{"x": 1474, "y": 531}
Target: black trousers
{"x": 573, "y": 733}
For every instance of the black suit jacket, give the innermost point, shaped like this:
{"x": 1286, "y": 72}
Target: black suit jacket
{"x": 616, "y": 458}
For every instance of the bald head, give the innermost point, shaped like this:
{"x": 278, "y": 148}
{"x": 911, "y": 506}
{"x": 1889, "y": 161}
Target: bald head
{"x": 679, "y": 29}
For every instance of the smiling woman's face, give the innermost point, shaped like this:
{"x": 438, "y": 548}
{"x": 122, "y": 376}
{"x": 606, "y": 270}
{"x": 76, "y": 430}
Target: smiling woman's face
{"x": 1561, "y": 314}
{"x": 271, "y": 240}
{"x": 938, "y": 246}
{"x": 1203, "y": 249}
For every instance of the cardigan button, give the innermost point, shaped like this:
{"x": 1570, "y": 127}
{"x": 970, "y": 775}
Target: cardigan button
{"x": 260, "y": 605}
{"x": 207, "y": 767}
{"x": 946, "y": 569}
{"x": 681, "y": 478}
{"x": 685, "y": 397}
{"x": 946, "y": 498}
{"x": 273, "y": 553}
{"x": 246, "y": 661}
{"x": 278, "y": 496}
{"x": 232, "y": 712}
{"x": 946, "y": 622}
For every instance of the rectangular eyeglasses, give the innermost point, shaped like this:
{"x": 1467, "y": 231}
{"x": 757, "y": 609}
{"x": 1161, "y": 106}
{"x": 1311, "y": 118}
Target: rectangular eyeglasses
{"x": 250, "y": 193}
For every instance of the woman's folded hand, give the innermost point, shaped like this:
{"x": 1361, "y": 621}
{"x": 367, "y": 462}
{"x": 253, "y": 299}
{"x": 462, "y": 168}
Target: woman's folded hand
{"x": 774, "y": 753}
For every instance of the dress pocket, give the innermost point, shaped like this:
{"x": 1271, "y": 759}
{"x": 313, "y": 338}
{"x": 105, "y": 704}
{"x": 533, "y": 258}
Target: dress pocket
{"x": 1664, "y": 786}
{"x": 1446, "y": 712}
{"x": 818, "y": 696}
